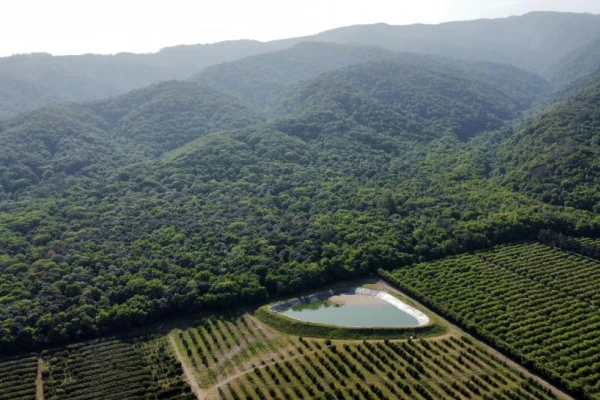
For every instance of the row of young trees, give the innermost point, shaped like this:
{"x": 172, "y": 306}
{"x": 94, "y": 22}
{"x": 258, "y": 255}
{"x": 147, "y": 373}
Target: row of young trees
{"x": 515, "y": 308}
{"x": 431, "y": 369}
{"x": 584, "y": 246}
{"x": 139, "y": 368}
{"x": 17, "y": 378}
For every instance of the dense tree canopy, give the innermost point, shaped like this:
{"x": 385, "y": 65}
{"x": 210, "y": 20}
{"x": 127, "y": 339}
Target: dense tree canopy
{"x": 261, "y": 79}
{"x": 556, "y": 155}
{"x": 178, "y": 198}
{"x": 48, "y": 147}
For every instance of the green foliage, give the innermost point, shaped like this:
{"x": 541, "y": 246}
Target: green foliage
{"x": 18, "y": 376}
{"x": 422, "y": 96}
{"x": 366, "y": 168}
{"x": 115, "y": 369}
{"x": 48, "y": 147}
{"x": 559, "y": 47}
{"x": 552, "y": 36}
{"x": 37, "y": 80}
{"x": 261, "y": 79}
{"x": 330, "y": 369}
{"x": 577, "y": 64}
{"x": 555, "y": 156}
{"x": 536, "y": 303}
{"x": 166, "y": 116}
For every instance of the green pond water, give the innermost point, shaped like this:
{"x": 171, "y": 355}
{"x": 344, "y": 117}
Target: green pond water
{"x": 373, "y": 313}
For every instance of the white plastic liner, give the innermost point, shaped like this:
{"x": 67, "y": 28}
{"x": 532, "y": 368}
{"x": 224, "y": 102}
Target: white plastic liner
{"x": 399, "y": 304}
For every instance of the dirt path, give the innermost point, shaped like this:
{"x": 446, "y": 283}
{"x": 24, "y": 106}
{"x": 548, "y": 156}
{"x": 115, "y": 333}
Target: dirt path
{"x": 39, "y": 382}
{"x": 187, "y": 370}
{"x": 454, "y": 328}
{"x": 262, "y": 366}
{"x": 267, "y": 332}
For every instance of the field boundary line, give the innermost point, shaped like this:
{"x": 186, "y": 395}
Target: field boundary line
{"x": 189, "y": 374}
{"x": 263, "y": 366}
{"x": 39, "y": 382}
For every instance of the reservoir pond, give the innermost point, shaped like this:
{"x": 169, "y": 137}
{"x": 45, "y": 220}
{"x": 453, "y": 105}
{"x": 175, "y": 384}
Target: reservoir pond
{"x": 351, "y": 310}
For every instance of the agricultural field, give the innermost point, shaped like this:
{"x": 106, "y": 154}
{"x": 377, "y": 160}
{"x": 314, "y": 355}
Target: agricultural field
{"x": 115, "y": 369}
{"x": 240, "y": 357}
{"x": 590, "y": 242}
{"x": 18, "y": 378}
{"x": 589, "y": 247}
{"x": 218, "y": 348}
{"x": 536, "y": 303}
{"x": 237, "y": 358}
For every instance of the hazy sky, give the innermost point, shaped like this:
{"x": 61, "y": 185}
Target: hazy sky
{"x": 111, "y": 26}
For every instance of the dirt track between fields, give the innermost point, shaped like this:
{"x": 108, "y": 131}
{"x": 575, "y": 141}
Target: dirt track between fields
{"x": 39, "y": 382}
{"x": 187, "y": 370}
{"x": 453, "y": 330}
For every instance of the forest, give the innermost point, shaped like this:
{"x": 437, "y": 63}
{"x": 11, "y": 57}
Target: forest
{"x": 562, "y": 47}
{"x": 178, "y": 198}
{"x": 267, "y": 175}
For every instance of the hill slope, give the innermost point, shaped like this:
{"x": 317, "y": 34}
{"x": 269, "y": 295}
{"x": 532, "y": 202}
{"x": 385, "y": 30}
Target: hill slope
{"x": 555, "y": 156}
{"x": 93, "y": 138}
{"x": 549, "y": 36}
{"x": 50, "y": 145}
{"x": 262, "y": 78}
{"x": 577, "y": 64}
{"x": 33, "y": 81}
{"x": 237, "y": 216}
{"x": 419, "y": 95}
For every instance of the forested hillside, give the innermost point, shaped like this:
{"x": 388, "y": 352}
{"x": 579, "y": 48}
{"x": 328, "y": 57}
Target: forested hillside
{"x": 31, "y": 81}
{"x": 559, "y": 46}
{"x": 555, "y": 156}
{"x": 577, "y": 64}
{"x": 534, "y": 41}
{"x": 48, "y": 147}
{"x": 261, "y": 79}
{"x": 364, "y": 167}
{"x": 153, "y": 207}
{"x": 395, "y": 96}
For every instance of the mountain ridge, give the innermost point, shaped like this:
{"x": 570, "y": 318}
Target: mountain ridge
{"x": 38, "y": 80}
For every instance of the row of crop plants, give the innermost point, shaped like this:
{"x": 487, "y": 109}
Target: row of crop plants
{"x": 513, "y": 298}
{"x": 569, "y": 273}
{"x": 166, "y": 371}
{"x": 114, "y": 369}
{"x": 450, "y": 368}
{"x": 586, "y": 247}
{"x": 218, "y": 347}
{"x": 17, "y": 378}
{"x": 590, "y": 242}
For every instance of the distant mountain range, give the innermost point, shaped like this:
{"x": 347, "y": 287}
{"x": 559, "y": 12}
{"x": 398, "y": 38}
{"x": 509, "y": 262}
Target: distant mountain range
{"x": 557, "y": 46}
